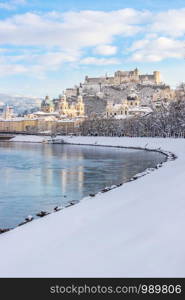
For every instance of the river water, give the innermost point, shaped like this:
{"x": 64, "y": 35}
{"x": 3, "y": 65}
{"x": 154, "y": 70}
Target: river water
{"x": 36, "y": 177}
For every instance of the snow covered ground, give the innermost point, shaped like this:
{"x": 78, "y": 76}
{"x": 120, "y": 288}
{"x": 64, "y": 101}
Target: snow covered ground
{"x": 29, "y": 138}
{"x": 136, "y": 230}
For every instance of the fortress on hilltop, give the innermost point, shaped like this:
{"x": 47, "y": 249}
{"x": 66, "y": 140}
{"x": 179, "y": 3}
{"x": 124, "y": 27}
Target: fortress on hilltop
{"x": 121, "y": 77}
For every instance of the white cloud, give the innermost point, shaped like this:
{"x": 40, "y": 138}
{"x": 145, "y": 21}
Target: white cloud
{"x": 59, "y": 38}
{"x": 71, "y": 29}
{"x": 66, "y": 33}
{"x": 163, "y": 38}
{"x": 35, "y": 64}
{"x": 105, "y": 50}
{"x": 170, "y": 23}
{"x": 4, "y": 5}
{"x": 12, "y": 69}
{"x": 3, "y": 50}
{"x": 157, "y": 49}
{"x": 99, "y": 61}
{"x": 22, "y": 2}
{"x": 12, "y": 4}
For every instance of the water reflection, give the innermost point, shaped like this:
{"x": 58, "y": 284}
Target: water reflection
{"x": 40, "y": 176}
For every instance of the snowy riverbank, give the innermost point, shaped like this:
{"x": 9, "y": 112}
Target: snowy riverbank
{"x": 136, "y": 230}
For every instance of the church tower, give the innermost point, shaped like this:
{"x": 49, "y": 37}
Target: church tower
{"x": 136, "y": 72}
{"x": 80, "y": 106}
{"x": 8, "y": 112}
{"x": 64, "y": 106}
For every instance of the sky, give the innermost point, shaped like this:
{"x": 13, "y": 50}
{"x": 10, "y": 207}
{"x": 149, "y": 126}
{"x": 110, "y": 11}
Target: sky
{"x": 47, "y": 46}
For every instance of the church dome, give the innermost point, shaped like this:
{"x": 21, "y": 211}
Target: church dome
{"x": 47, "y": 101}
{"x": 132, "y": 97}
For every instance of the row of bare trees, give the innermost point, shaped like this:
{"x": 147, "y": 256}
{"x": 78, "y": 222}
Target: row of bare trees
{"x": 166, "y": 122}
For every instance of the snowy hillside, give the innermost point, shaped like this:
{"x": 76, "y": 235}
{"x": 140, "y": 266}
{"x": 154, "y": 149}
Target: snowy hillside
{"x": 20, "y": 103}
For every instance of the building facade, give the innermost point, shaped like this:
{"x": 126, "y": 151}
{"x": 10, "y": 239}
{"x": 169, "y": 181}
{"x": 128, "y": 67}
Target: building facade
{"x": 47, "y": 105}
{"x": 8, "y": 112}
{"x": 124, "y": 108}
{"x": 63, "y": 107}
{"x": 40, "y": 126}
{"x": 18, "y": 125}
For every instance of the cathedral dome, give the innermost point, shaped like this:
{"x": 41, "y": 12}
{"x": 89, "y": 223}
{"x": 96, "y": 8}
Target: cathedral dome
{"x": 132, "y": 97}
{"x": 47, "y": 101}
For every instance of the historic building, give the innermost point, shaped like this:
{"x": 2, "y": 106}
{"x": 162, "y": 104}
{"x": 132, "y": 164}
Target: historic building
{"x": 8, "y": 112}
{"x": 123, "y": 109}
{"x": 40, "y": 125}
{"x": 121, "y": 77}
{"x": 63, "y": 108}
{"x": 56, "y": 116}
{"x": 72, "y": 110}
{"x": 18, "y": 125}
{"x": 47, "y": 105}
{"x": 165, "y": 93}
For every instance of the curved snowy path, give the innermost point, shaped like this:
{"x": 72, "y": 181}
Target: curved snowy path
{"x": 136, "y": 230}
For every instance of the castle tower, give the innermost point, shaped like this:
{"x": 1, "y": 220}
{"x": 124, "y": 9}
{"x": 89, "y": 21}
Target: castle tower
{"x": 117, "y": 77}
{"x": 157, "y": 77}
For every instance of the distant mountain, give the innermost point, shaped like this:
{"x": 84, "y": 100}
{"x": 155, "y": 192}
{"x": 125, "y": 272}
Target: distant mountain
{"x": 21, "y": 103}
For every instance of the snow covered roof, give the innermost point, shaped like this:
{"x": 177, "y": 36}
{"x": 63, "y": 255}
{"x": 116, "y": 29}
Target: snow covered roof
{"x": 66, "y": 120}
{"x": 45, "y": 114}
{"x": 141, "y": 109}
{"x": 18, "y": 119}
{"x": 120, "y": 117}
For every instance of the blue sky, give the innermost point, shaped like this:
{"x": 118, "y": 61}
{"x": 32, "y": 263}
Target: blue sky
{"x": 46, "y": 46}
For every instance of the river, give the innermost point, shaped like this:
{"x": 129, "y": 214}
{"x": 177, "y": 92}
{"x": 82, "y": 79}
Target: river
{"x": 38, "y": 177}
